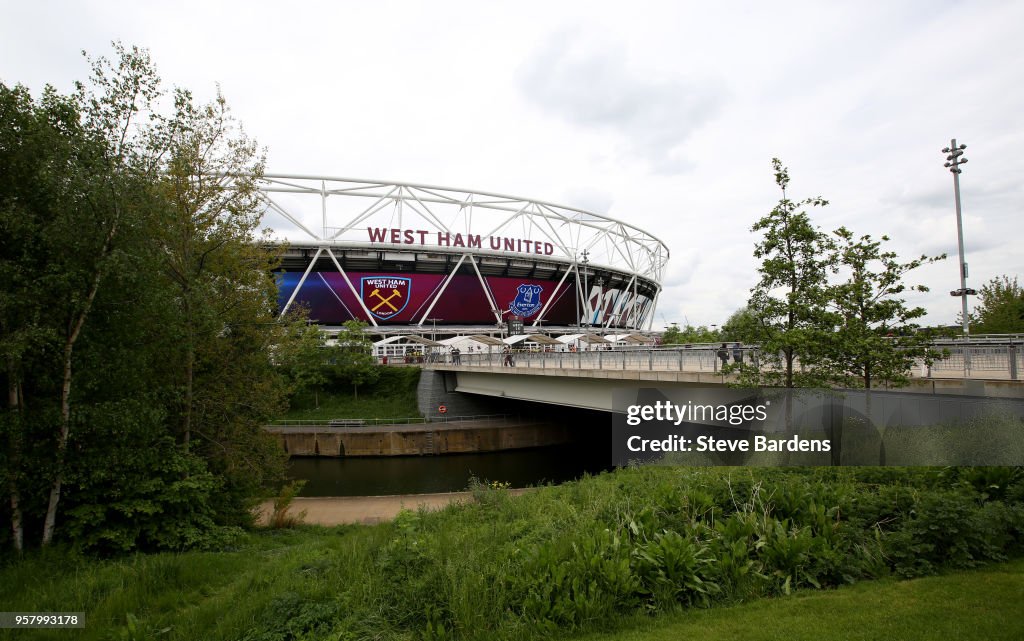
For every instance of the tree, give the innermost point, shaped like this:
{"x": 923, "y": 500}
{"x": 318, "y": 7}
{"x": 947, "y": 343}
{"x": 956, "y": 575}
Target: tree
{"x": 1000, "y": 308}
{"x": 206, "y": 230}
{"x": 789, "y": 299}
{"x": 353, "y": 356}
{"x": 106, "y": 365}
{"x": 76, "y": 192}
{"x": 742, "y": 326}
{"x": 34, "y": 147}
{"x": 688, "y": 334}
{"x": 106, "y": 199}
{"x": 304, "y": 357}
{"x": 873, "y": 333}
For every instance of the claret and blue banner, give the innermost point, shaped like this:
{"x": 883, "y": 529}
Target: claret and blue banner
{"x": 404, "y": 298}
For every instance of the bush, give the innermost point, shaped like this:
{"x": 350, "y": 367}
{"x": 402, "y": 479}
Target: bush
{"x": 949, "y": 529}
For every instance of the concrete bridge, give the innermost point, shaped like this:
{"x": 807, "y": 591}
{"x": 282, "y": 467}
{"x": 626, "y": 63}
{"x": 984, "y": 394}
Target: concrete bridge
{"x": 587, "y": 379}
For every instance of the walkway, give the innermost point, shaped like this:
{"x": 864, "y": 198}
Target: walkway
{"x": 367, "y": 510}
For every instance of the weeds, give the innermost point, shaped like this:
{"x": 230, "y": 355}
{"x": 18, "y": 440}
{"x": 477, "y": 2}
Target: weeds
{"x": 583, "y": 556}
{"x": 282, "y": 516}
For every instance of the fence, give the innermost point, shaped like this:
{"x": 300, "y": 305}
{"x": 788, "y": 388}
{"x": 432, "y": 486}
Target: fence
{"x": 984, "y": 360}
{"x": 660, "y": 359}
{"x": 326, "y": 423}
{"x": 965, "y": 359}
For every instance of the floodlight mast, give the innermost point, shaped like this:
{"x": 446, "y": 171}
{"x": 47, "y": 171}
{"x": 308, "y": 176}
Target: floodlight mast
{"x": 953, "y": 162}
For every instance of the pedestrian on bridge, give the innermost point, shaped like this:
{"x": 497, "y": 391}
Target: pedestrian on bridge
{"x": 723, "y": 354}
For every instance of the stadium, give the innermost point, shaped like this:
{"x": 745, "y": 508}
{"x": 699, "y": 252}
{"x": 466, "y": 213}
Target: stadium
{"x": 408, "y": 258}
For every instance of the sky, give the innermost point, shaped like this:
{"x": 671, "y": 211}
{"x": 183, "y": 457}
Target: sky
{"x": 665, "y": 115}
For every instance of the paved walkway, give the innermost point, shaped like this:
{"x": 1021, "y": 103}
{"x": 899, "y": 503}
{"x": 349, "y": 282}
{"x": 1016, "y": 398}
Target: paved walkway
{"x": 368, "y": 510}
{"x": 437, "y": 424}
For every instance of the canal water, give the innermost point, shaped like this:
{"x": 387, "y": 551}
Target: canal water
{"x": 382, "y": 475}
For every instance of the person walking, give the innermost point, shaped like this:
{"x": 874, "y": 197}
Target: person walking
{"x": 456, "y": 356}
{"x": 507, "y": 351}
{"x": 737, "y": 353}
{"x": 723, "y": 354}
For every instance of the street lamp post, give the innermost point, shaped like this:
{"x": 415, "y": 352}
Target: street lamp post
{"x": 499, "y": 314}
{"x": 953, "y": 162}
{"x": 433, "y": 331}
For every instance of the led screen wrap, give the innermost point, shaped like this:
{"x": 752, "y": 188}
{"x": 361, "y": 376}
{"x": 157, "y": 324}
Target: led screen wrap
{"x": 403, "y": 298}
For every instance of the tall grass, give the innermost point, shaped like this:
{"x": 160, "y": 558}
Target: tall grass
{"x": 589, "y": 555}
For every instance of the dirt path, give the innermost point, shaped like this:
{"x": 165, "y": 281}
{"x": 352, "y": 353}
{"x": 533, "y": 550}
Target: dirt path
{"x": 365, "y": 509}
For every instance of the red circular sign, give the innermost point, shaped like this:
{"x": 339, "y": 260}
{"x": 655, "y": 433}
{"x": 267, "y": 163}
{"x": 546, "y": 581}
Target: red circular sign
{"x": 442, "y": 409}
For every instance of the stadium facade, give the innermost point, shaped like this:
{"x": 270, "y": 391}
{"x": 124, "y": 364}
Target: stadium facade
{"x": 404, "y": 256}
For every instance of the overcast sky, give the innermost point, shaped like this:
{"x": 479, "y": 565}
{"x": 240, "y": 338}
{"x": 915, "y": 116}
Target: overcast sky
{"x": 662, "y": 114}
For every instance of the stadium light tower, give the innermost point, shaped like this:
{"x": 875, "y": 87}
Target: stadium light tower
{"x": 953, "y": 161}
{"x": 586, "y": 292}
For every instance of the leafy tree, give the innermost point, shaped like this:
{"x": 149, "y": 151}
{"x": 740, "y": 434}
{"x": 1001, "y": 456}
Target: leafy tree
{"x": 70, "y": 199}
{"x": 688, "y": 334}
{"x": 873, "y": 333}
{"x": 32, "y": 147}
{"x": 206, "y": 230}
{"x": 304, "y": 357}
{"x": 789, "y": 299}
{"x": 353, "y": 356}
{"x": 1000, "y": 308}
{"x": 105, "y": 200}
{"x": 742, "y": 326}
{"x": 104, "y": 364}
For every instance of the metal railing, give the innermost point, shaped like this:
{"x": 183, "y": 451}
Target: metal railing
{"x": 326, "y": 423}
{"x": 973, "y": 359}
{"x": 652, "y": 359}
{"x": 987, "y": 360}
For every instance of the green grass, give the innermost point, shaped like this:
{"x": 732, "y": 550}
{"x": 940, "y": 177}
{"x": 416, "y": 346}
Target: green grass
{"x": 393, "y": 396}
{"x": 980, "y": 604}
{"x": 490, "y": 569}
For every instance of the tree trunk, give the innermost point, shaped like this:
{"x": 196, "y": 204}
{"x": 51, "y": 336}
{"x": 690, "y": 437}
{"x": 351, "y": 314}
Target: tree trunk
{"x": 790, "y": 357}
{"x": 65, "y": 393}
{"x": 62, "y": 441}
{"x": 190, "y": 359}
{"x": 14, "y": 458}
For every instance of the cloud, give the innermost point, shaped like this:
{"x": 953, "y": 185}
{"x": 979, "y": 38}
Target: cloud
{"x": 590, "y": 84}
{"x": 590, "y": 199}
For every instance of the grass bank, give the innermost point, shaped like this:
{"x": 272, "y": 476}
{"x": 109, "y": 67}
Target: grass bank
{"x": 605, "y": 553}
{"x": 393, "y": 396}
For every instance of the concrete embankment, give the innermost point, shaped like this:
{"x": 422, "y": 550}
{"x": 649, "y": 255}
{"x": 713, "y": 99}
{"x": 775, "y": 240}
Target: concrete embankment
{"x": 455, "y": 437}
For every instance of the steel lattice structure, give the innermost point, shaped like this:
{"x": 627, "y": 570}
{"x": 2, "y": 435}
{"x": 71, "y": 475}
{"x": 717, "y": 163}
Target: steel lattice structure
{"x": 381, "y": 227}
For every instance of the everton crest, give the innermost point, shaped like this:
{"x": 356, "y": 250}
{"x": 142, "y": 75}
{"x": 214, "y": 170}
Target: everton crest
{"x": 527, "y": 301}
{"x": 385, "y": 296}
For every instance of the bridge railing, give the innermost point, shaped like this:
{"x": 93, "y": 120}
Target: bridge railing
{"x": 653, "y": 359}
{"x": 416, "y": 420}
{"x": 983, "y": 359}
{"x": 997, "y": 361}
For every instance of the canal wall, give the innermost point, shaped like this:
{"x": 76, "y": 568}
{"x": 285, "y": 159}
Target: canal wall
{"x": 427, "y": 439}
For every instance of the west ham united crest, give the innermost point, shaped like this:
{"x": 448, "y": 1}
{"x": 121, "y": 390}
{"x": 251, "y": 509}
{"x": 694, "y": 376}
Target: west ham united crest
{"x": 527, "y": 301}
{"x": 386, "y": 296}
